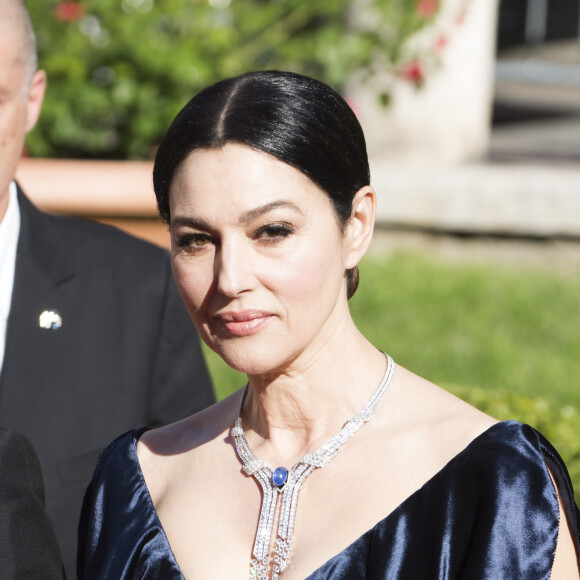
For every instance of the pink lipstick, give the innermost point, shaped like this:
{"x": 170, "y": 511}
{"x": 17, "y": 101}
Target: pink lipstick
{"x": 245, "y": 322}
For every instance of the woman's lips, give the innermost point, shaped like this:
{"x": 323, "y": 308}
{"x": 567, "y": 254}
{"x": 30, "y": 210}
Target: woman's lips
{"x": 245, "y": 322}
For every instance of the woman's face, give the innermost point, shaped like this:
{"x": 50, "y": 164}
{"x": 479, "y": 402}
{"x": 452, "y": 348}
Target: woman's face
{"x": 258, "y": 256}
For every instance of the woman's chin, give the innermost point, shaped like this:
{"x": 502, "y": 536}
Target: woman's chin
{"x": 248, "y": 366}
{"x": 250, "y": 361}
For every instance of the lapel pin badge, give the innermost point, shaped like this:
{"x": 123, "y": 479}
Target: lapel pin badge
{"x": 50, "y": 320}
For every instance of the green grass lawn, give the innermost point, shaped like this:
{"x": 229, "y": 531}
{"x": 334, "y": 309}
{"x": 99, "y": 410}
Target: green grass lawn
{"x": 475, "y": 325}
{"x": 505, "y": 339}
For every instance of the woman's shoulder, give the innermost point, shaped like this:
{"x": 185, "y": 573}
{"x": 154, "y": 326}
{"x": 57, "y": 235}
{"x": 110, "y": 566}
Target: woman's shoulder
{"x": 190, "y": 433}
{"x": 196, "y": 440}
{"x": 452, "y": 431}
{"x": 442, "y": 423}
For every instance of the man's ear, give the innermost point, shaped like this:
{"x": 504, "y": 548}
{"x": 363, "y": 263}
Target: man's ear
{"x": 360, "y": 228}
{"x": 35, "y": 98}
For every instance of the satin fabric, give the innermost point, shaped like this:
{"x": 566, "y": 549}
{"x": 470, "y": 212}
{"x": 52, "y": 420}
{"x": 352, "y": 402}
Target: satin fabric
{"x": 489, "y": 513}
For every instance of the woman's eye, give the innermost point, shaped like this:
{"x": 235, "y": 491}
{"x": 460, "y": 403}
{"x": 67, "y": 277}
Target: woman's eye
{"x": 273, "y": 232}
{"x": 200, "y": 241}
{"x": 193, "y": 241}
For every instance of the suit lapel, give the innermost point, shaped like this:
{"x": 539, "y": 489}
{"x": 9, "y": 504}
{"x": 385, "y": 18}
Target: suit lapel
{"x": 44, "y": 266}
{"x": 41, "y": 244}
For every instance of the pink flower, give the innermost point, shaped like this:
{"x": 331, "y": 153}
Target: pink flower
{"x": 427, "y": 8}
{"x": 440, "y": 43}
{"x": 414, "y": 73}
{"x": 461, "y": 16}
{"x": 69, "y": 11}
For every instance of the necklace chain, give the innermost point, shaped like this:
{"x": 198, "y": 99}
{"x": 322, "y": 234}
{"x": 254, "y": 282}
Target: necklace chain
{"x": 281, "y": 482}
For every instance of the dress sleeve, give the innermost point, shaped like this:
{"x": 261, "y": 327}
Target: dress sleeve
{"x": 515, "y": 513}
{"x": 106, "y": 510}
{"x": 90, "y": 520}
{"x": 120, "y": 535}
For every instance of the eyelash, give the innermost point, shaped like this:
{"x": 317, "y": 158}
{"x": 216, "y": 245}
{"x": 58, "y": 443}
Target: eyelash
{"x": 190, "y": 240}
{"x": 274, "y": 232}
{"x": 270, "y": 233}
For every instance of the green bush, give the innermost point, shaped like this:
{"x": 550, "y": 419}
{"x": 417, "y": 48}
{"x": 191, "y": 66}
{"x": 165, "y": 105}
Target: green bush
{"x": 119, "y": 70}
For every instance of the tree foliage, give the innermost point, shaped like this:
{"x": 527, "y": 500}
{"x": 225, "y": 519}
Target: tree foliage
{"x": 119, "y": 70}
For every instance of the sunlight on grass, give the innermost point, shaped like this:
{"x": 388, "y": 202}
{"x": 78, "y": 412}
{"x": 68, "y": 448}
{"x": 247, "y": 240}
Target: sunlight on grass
{"x": 475, "y": 325}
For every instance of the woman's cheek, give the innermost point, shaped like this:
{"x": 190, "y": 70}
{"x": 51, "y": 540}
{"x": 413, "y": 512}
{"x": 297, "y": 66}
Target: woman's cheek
{"x": 193, "y": 285}
{"x": 295, "y": 269}
{"x": 308, "y": 271}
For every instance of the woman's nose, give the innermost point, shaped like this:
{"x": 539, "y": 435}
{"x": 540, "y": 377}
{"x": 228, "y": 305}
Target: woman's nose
{"x": 234, "y": 269}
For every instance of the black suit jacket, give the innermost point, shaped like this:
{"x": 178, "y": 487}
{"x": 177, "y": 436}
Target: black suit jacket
{"x": 127, "y": 353}
{"x": 28, "y": 546}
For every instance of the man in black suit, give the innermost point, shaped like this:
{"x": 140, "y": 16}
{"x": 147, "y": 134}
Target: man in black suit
{"x": 97, "y": 340}
{"x": 28, "y": 546}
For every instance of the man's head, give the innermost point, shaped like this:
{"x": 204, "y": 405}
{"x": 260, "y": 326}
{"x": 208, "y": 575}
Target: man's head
{"x": 21, "y": 89}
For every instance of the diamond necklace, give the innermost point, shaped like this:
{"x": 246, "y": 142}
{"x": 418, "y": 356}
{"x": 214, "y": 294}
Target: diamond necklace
{"x": 287, "y": 483}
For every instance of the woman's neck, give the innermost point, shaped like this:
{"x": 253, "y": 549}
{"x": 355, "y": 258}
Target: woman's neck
{"x": 296, "y": 411}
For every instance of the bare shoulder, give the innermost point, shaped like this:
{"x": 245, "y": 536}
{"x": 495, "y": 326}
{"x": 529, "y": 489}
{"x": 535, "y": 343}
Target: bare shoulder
{"x": 443, "y": 423}
{"x": 164, "y": 451}
{"x": 194, "y": 431}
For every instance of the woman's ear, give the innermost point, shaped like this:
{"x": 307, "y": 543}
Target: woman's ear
{"x": 360, "y": 227}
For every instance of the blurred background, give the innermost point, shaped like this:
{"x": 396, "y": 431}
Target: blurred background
{"x": 472, "y": 114}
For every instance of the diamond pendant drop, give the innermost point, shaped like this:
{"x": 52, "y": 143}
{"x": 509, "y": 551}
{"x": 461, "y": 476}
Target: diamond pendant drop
{"x": 285, "y": 485}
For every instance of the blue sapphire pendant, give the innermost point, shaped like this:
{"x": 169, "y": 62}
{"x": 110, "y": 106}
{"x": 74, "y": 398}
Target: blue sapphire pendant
{"x": 280, "y": 477}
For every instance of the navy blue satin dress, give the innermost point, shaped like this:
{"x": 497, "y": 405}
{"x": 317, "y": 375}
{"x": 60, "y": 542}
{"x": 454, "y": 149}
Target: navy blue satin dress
{"x": 490, "y": 513}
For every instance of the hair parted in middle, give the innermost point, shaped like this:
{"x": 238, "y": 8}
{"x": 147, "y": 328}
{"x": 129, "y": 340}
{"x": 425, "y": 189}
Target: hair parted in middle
{"x": 296, "y": 119}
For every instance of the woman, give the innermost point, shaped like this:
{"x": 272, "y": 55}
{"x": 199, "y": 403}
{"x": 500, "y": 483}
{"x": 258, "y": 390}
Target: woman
{"x": 264, "y": 181}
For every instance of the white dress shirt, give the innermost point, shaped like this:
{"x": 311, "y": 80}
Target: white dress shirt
{"x": 9, "y": 231}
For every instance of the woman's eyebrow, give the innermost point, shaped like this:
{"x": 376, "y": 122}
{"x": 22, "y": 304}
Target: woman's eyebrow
{"x": 191, "y": 222}
{"x": 252, "y": 214}
{"x": 247, "y": 216}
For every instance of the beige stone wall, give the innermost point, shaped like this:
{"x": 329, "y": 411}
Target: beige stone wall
{"x": 448, "y": 120}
